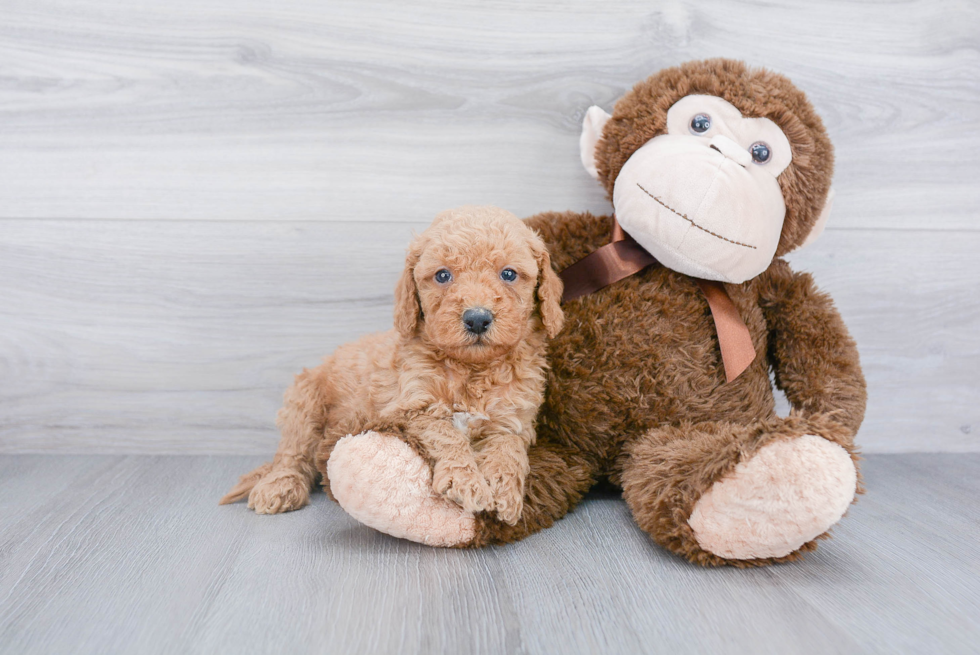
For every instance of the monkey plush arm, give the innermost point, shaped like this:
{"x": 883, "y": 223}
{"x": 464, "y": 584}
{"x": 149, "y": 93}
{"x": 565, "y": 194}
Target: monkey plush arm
{"x": 815, "y": 359}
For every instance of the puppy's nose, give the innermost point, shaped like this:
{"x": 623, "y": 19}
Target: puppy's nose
{"x": 477, "y": 320}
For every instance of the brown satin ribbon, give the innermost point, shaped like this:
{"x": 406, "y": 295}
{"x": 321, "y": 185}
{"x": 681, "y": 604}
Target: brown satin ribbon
{"x": 624, "y": 257}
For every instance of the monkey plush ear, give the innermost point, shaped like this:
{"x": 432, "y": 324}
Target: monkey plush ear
{"x": 595, "y": 120}
{"x": 821, "y": 223}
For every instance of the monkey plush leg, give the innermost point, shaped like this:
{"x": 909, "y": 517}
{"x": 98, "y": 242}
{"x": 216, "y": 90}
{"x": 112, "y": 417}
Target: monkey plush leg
{"x": 558, "y": 479}
{"x": 385, "y": 482}
{"x": 382, "y": 482}
{"x": 718, "y": 493}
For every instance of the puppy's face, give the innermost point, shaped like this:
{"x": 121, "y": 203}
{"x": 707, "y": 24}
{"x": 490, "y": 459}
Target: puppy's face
{"x": 479, "y": 280}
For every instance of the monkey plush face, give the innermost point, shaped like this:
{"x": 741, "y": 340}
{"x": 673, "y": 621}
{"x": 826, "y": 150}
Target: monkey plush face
{"x": 702, "y": 183}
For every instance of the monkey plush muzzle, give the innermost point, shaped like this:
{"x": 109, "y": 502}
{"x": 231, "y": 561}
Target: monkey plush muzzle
{"x": 700, "y": 208}
{"x": 703, "y": 198}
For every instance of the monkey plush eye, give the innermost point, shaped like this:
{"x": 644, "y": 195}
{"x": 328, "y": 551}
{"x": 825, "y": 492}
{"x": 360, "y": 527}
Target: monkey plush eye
{"x": 760, "y": 152}
{"x": 508, "y": 275}
{"x": 701, "y": 123}
{"x": 443, "y": 276}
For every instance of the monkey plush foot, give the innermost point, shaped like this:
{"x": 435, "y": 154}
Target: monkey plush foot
{"x": 789, "y": 493}
{"x": 380, "y": 481}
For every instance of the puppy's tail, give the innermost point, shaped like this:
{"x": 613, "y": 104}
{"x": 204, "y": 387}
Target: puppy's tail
{"x": 245, "y": 484}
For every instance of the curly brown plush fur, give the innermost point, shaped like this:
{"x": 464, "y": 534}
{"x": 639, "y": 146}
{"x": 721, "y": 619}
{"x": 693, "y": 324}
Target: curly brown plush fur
{"x": 641, "y": 115}
{"x": 430, "y": 373}
{"x": 637, "y": 389}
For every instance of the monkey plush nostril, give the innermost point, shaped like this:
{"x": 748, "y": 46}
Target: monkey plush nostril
{"x": 731, "y": 150}
{"x": 477, "y": 320}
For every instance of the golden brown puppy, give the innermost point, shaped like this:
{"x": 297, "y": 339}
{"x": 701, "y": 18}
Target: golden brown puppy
{"x": 462, "y": 373}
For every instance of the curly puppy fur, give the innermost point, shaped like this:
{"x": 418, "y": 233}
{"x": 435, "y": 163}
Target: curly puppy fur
{"x": 468, "y": 401}
{"x": 637, "y": 391}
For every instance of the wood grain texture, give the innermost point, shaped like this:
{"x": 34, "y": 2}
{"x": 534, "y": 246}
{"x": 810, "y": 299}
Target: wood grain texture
{"x": 200, "y": 197}
{"x": 180, "y": 337}
{"x": 391, "y": 111}
{"x": 136, "y": 336}
{"x": 132, "y": 554}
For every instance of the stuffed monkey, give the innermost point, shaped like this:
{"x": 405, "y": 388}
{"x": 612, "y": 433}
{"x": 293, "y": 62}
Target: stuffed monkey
{"x": 715, "y": 171}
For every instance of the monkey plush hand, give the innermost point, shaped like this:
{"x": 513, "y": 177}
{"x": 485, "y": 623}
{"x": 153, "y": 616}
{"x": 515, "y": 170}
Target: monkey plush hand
{"x": 716, "y": 170}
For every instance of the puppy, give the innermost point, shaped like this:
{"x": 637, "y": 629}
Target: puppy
{"x": 461, "y": 375}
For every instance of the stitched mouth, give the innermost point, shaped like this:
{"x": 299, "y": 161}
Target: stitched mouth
{"x": 703, "y": 229}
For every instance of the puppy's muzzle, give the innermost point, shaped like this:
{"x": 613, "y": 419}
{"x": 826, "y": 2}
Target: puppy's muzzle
{"x": 477, "y": 320}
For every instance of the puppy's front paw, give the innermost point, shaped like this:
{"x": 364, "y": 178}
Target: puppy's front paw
{"x": 279, "y": 491}
{"x": 508, "y": 497}
{"x": 462, "y": 484}
{"x": 506, "y": 480}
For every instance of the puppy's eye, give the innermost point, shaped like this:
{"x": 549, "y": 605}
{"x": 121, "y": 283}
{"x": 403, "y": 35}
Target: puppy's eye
{"x": 443, "y": 276}
{"x": 760, "y": 152}
{"x": 701, "y": 123}
{"x": 508, "y": 275}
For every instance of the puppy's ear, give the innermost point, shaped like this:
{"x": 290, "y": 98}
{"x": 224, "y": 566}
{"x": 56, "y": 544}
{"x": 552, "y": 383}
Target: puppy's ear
{"x": 550, "y": 288}
{"x": 408, "y": 310}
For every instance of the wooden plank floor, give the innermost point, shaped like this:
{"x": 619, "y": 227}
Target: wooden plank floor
{"x": 111, "y": 554}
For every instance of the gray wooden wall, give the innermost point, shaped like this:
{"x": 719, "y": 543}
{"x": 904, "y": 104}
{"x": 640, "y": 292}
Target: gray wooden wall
{"x": 199, "y": 197}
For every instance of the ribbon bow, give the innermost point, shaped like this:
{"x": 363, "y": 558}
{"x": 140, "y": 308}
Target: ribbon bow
{"x": 623, "y": 257}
